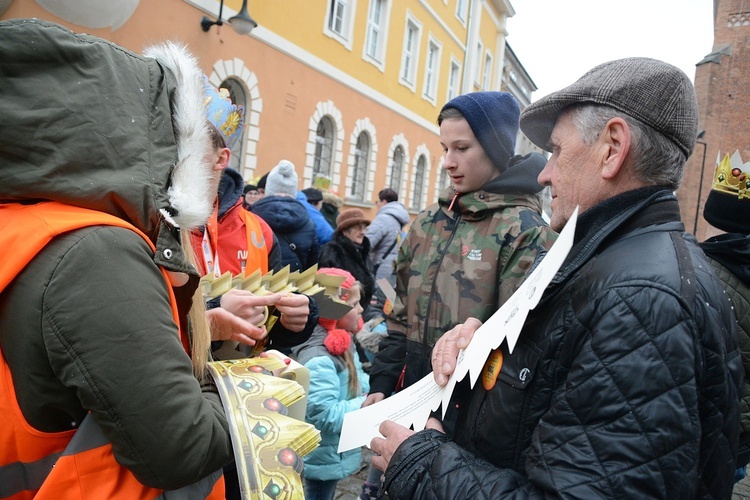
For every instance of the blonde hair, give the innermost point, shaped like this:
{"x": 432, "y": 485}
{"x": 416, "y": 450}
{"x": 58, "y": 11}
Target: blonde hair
{"x": 199, "y": 329}
{"x": 353, "y": 386}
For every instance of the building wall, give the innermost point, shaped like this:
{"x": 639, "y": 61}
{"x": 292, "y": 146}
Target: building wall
{"x": 722, "y": 84}
{"x": 293, "y": 71}
{"x": 518, "y": 82}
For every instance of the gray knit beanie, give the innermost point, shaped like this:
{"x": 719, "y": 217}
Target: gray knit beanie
{"x": 282, "y": 180}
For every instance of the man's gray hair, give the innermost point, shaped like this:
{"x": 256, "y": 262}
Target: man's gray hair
{"x": 656, "y": 159}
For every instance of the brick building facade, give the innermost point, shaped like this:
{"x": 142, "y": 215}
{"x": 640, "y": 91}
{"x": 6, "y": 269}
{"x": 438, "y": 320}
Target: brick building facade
{"x": 722, "y": 84}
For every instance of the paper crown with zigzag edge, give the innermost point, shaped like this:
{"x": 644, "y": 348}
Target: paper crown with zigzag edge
{"x": 732, "y": 176}
{"x": 228, "y": 118}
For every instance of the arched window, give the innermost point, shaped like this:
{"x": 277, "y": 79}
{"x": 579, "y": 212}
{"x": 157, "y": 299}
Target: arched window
{"x": 397, "y": 168}
{"x": 444, "y": 180}
{"x": 238, "y": 96}
{"x": 324, "y": 140}
{"x": 416, "y": 202}
{"x": 359, "y": 174}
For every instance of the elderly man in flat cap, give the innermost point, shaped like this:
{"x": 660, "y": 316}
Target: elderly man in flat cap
{"x": 625, "y": 382}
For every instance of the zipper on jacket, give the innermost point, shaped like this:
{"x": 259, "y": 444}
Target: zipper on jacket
{"x": 434, "y": 282}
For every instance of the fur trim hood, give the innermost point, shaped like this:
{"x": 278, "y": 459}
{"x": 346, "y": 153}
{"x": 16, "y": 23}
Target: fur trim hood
{"x": 121, "y": 133}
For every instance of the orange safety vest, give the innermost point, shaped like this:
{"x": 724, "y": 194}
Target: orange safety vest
{"x": 240, "y": 241}
{"x": 68, "y": 465}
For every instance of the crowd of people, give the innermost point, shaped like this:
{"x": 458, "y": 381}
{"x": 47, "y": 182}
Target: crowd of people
{"x": 628, "y": 378}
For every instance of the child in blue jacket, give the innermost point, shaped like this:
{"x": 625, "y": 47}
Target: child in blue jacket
{"x": 337, "y": 385}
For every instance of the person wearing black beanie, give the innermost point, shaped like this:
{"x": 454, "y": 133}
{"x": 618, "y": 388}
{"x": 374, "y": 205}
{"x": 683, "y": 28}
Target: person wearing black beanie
{"x": 484, "y": 233}
{"x": 727, "y": 247}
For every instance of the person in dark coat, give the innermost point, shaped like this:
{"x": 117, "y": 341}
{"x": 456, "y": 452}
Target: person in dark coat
{"x": 727, "y": 246}
{"x": 627, "y": 376}
{"x": 288, "y": 218}
{"x": 349, "y": 250}
{"x": 330, "y": 207}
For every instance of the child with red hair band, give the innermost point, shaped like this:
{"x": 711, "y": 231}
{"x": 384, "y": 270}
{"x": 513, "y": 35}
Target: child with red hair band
{"x": 337, "y": 385}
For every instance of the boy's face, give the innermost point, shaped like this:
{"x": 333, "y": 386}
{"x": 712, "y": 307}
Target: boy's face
{"x": 466, "y": 162}
{"x": 251, "y": 196}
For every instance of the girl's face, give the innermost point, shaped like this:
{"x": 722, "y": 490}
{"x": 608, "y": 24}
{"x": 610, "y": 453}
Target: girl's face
{"x": 350, "y": 321}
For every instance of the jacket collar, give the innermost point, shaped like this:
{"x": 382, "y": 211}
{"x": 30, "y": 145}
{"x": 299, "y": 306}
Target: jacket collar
{"x": 616, "y": 216}
{"x": 731, "y": 250}
{"x": 517, "y": 186}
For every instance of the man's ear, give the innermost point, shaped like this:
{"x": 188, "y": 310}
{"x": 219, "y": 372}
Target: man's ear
{"x": 222, "y": 161}
{"x": 616, "y": 137}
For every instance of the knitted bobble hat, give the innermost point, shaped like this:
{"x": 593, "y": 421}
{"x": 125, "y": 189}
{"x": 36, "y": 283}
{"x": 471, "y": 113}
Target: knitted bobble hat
{"x": 493, "y": 117}
{"x": 282, "y": 180}
{"x": 338, "y": 340}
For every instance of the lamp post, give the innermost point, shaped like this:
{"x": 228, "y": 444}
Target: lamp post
{"x": 700, "y": 185}
{"x": 242, "y": 23}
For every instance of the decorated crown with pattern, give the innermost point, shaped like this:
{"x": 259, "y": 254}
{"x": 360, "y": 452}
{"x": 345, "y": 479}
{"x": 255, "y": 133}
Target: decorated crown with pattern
{"x": 227, "y": 117}
{"x": 732, "y": 176}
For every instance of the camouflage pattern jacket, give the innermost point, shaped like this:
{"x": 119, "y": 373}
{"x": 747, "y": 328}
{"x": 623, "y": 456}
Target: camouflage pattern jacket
{"x": 463, "y": 257}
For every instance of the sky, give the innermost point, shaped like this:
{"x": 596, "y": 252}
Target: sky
{"x": 557, "y": 41}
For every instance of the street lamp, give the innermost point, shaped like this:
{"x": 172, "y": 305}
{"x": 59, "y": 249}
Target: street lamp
{"x": 700, "y": 185}
{"x": 242, "y": 23}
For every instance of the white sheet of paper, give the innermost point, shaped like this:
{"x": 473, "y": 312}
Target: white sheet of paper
{"x": 412, "y": 406}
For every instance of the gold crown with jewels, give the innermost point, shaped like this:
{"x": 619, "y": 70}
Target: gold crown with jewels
{"x": 732, "y": 176}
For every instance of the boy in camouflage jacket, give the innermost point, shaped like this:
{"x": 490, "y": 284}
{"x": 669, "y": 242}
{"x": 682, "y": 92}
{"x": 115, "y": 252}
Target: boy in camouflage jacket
{"x": 465, "y": 255}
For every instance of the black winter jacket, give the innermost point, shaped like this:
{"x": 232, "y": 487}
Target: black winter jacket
{"x": 624, "y": 383}
{"x": 730, "y": 256}
{"x": 341, "y": 252}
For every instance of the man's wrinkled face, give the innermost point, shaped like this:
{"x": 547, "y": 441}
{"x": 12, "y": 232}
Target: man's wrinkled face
{"x": 572, "y": 172}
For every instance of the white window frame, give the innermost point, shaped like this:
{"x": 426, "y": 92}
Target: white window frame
{"x": 360, "y": 167}
{"x": 410, "y": 58}
{"x": 397, "y": 167}
{"x": 487, "y": 74}
{"x": 432, "y": 68}
{"x": 418, "y": 194}
{"x": 344, "y": 36}
{"x": 380, "y": 28}
{"x": 454, "y": 79}
{"x": 325, "y": 152}
{"x": 478, "y": 65}
{"x": 462, "y": 11}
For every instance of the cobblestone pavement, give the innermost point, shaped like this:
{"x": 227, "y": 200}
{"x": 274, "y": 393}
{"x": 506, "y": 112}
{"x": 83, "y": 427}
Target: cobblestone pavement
{"x": 349, "y": 488}
{"x": 741, "y": 490}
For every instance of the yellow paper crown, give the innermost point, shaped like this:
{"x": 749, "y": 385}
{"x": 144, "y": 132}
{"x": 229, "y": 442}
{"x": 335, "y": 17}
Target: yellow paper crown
{"x": 732, "y": 176}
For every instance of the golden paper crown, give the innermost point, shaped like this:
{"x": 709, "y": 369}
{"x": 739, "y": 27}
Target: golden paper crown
{"x": 732, "y": 176}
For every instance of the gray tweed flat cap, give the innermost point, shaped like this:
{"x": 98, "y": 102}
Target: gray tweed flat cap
{"x": 651, "y": 91}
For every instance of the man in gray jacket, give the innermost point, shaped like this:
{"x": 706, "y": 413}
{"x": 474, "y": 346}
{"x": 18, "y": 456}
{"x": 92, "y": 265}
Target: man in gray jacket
{"x": 384, "y": 233}
{"x": 626, "y": 378}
